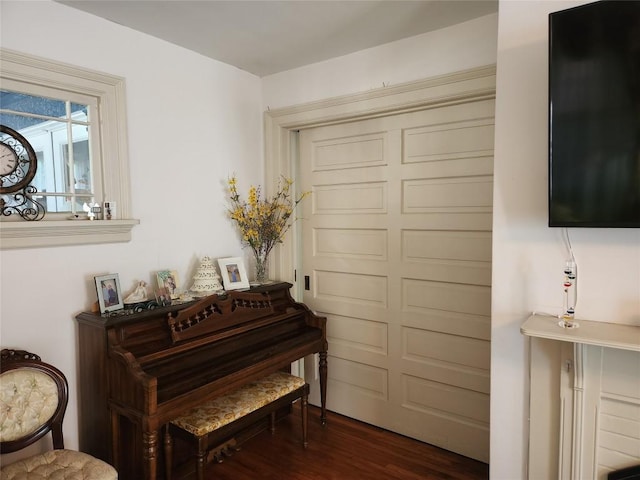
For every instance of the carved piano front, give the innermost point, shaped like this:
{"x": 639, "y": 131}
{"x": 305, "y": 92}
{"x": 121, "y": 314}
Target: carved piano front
{"x": 139, "y": 371}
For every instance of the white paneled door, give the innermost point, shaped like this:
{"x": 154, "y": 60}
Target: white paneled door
{"x": 397, "y": 250}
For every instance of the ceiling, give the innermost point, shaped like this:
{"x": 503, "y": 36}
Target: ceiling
{"x": 270, "y": 36}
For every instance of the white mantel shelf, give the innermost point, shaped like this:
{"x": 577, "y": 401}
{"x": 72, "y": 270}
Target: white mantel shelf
{"x": 612, "y": 335}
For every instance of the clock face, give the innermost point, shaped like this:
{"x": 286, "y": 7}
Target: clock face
{"x": 8, "y": 159}
{"x": 18, "y": 162}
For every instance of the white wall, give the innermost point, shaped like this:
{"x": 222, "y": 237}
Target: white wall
{"x": 467, "y": 45}
{"x": 191, "y": 122}
{"x": 528, "y": 257}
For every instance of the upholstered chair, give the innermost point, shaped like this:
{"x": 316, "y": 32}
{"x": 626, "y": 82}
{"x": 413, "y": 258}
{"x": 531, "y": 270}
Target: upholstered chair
{"x": 33, "y": 401}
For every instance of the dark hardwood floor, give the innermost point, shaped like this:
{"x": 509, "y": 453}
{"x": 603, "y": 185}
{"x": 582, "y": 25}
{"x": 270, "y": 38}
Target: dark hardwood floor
{"x": 343, "y": 450}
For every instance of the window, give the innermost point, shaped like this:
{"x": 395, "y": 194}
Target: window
{"x": 76, "y": 122}
{"x": 61, "y": 133}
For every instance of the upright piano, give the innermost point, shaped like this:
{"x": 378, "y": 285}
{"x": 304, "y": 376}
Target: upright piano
{"x": 139, "y": 371}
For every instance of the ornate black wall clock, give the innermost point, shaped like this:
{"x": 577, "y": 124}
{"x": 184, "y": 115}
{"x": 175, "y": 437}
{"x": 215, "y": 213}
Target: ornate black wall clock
{"x": 18, "y": 165}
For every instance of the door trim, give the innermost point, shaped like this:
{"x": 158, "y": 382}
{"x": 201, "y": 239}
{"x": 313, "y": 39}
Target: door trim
{"x": 460, "y": 87}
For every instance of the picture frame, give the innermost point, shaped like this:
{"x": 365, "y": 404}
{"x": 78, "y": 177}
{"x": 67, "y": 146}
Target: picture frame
{"x": 163, "y": 297}
{"x": 169, "y": 279}
{"x": 234, "y": 275}
{"x": 109, "y": 293}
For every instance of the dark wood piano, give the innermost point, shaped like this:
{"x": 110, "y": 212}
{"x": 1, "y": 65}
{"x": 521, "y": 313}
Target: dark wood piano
{"x": 139, "y": 371}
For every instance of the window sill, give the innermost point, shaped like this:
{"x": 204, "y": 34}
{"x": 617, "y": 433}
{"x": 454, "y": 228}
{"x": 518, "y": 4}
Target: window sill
{"x": 15, "y": 235}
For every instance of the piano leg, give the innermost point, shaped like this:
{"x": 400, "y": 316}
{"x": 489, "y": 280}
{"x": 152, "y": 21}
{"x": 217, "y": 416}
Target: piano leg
{"x": 323, "y": 387}
{"x": 149, "y": 446}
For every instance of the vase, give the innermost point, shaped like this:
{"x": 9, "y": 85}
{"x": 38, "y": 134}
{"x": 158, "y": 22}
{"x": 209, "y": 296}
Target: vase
{"x": 262, "y": 268}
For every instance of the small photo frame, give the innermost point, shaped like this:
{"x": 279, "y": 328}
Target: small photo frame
{"x": 234, "y": 275}
{"x": 109, "y": 293}
{"x": 169, "y": 279}
{"x": 163, "y": 297}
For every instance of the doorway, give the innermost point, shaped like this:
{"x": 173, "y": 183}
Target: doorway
{"x": 396, "y": 243}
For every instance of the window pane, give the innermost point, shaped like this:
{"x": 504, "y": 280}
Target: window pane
{"x": 61, "y": 143}
{"x": 78, "y": 108}
{"x": 20, "y": 102}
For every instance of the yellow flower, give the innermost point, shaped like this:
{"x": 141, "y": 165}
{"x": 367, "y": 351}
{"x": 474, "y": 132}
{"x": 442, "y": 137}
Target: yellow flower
{"x": 262, "y": 222}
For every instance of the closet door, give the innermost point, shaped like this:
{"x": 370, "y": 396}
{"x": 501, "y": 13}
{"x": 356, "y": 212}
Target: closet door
{"x": 397, "y": 248}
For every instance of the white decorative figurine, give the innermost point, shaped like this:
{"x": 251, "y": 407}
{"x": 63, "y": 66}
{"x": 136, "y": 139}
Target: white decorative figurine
{"x": 139, "y": 294}
{"x": 206, "y": 281}
{"x": 87, "y": 210}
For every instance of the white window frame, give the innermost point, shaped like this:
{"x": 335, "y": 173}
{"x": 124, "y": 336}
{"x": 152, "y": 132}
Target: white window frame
{"x": 110, "y": 93}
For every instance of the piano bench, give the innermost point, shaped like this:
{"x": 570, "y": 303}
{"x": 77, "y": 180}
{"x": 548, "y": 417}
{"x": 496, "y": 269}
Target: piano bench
{"x": 209, "y": 425}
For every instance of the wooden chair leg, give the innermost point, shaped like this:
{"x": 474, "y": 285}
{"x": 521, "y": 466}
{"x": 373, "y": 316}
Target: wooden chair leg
{"x": 303, "y": 408}
{"x": 168, "y": 453}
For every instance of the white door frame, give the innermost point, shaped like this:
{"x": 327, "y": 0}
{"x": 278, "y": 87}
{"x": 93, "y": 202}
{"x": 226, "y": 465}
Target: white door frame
{"x": 465, "y": 86}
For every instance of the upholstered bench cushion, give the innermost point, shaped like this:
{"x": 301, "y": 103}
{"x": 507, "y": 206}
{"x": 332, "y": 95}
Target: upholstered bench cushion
{"x": 223, "y": 410}
{"x": 59, "y": 464}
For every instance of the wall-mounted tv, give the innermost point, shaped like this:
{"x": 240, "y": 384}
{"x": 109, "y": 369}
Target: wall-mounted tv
{"x": 594, "y": 115}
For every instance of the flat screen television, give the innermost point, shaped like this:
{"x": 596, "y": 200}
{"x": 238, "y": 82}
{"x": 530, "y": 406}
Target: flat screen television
{"x": 594, "y": 115}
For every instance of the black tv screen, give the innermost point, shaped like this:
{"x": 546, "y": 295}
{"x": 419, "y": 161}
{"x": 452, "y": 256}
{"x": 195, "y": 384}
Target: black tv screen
{"x": 594, "y": 115}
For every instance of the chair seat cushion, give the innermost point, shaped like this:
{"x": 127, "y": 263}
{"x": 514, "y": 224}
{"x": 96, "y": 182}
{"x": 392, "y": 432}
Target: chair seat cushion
{"x": 221, "y": 411}
{"x": 59, "y": 465}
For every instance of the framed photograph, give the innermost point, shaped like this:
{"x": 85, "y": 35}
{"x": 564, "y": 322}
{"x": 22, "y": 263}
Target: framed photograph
{"x": 163, "y": 297}
{"x": 234, "y": 275}
{"x": 169, "y": 279}
{"x": 109, "y": 293}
